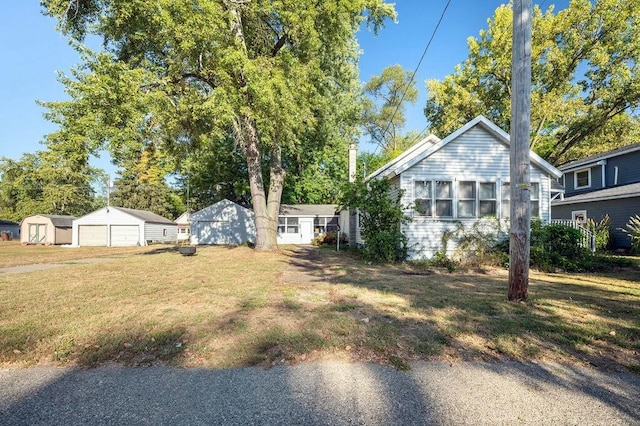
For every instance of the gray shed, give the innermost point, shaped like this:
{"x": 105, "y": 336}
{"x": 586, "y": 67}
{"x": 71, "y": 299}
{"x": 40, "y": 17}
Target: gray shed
{"x": 224, "y": 223}
{"x": 46, "y": 229}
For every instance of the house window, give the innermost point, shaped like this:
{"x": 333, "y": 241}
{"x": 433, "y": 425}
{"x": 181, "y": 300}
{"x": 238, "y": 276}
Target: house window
{"x": 164, "y": 232}
{"x": 287, "y": 225}
{"x": 423, "y": 197}
{"x": 582, "y": 179}
{"x": 488, "y": 199}
{"x": 534, "y": 193}
{"x": 505, "y": 206}
{"x": 467, "y": 199}
{"x": 444, "y": 198}
{"x": 325, "y": 224}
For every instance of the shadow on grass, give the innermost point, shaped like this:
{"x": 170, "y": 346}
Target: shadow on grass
{"x": 468, "y": 317}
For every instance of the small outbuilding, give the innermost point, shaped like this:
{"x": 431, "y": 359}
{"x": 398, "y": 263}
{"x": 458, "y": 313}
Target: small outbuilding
{"x": 223, "y": 223}
{"x": 301, "y": 223}
{"x": 46, "y": 229}
{"x": 184, "y": 227}
{"x": 122, "y": 227}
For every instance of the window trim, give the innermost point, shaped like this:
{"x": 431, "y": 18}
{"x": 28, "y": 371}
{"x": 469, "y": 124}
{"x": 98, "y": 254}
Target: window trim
{"x": 474, "y": 199}
{"x": 494, "y": 199}
{"x": 575, "y": 178}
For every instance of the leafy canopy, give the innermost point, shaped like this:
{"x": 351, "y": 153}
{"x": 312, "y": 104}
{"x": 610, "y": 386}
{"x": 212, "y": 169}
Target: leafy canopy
{"x": 585, "y": 82}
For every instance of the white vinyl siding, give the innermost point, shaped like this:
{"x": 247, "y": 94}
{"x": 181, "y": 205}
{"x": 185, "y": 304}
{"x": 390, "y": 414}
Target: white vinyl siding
{"x": 160, "y": 233}
{"x": 475, "y": 156}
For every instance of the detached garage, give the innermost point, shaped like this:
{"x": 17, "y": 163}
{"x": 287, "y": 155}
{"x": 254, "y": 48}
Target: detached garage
{"x": 122, "y": 227}
{"x": 46, "y": 229}
{"x": 223, "y": 223}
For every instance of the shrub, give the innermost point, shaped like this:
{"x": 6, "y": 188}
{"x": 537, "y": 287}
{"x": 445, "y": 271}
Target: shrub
{"x": 381, "y": 217}
{"x": 632, "y": 229}
{"x": 602, "y": 232}
{"x": 329, "y": 238}
{"x": 481, "y": 243}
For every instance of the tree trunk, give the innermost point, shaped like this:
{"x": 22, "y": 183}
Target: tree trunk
{"x": 265, "y": 210}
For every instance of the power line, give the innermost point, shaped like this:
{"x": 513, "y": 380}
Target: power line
{"x": 413, "y": 76}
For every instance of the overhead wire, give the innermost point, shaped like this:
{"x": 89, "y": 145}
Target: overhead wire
{"x": 415, "y": 71}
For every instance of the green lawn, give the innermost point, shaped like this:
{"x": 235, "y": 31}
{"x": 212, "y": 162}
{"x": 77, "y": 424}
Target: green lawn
{"x": 229, "y": 307}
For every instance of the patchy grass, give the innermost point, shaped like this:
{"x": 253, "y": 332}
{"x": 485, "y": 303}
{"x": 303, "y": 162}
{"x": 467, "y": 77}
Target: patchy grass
{"x": 228, "y": 307}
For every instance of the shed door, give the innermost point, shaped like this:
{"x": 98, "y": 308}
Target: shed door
{"x": 37, "y": 233}
{"x": 125, "y": 235}
{"x": 92, "y": 235}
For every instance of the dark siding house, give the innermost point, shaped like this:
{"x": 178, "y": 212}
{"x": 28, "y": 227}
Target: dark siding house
{"x": 607, "y": 183}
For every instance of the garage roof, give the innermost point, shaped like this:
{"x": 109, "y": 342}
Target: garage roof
{"x": 146, "y": 216}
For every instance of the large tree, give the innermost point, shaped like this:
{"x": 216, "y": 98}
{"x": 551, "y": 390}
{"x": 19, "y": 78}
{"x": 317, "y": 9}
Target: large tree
{"x": 386, "y": 97}
{"x": 585, "y": 82}
{"x": 188, "y": 71}
{"x": 47, "y": 182}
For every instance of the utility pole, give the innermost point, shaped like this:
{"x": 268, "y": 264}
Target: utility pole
{"x": 519, "y": 247}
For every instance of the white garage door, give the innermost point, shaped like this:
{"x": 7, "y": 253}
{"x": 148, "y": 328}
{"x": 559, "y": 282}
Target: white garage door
{"x": 92, "y": 235}
{"x": 125, "y": 235}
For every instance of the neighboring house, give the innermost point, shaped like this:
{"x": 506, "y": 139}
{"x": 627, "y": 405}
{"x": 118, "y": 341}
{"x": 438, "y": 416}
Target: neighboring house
{"x": 12, "y": 229}
{"x": 46, "y": 229}
{"x": 223, "y": 223}
{"x": 122, "y": 227}
{"x": 458, "y": 180}
{"x": 607, "y": 183}
{"x": 184, "y": 227}
{"x": 301, "y": 223}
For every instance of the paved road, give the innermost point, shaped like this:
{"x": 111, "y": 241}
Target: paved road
{"x": 320, "y": 394}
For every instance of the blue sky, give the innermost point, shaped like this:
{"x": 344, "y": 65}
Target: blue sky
{"x": 33, "y": 52}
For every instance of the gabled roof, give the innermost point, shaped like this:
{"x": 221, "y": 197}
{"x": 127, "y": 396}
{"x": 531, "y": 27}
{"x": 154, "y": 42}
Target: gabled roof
{"x": 602, "y": 156}
{"x": 407, "y": 155}
{"x": 217, "y": 208}
{"x": 183, "y": 219}
{"x": 308, "y": 209}
{"x": 60, "y": 221}
{"x": 403, "y": 163}
{"x": 617, "y": 192}
{"x": 145, "y": 215}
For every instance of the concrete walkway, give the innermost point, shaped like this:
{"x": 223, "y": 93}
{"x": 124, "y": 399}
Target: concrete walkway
{"x": 44, "y": 266}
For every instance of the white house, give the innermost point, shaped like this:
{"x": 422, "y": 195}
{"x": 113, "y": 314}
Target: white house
{"x": 118, "y": 226}
{"x": 458, "y": 180}
{"x": 225, "y": 223}
{"x": 301, "y": 223}
{"x": 184, "y": 226}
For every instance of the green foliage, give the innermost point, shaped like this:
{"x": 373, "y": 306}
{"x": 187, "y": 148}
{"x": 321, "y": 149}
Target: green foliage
{"x": 381, "y": 217}
{"x": 384, "y": 106}
{"x": 279, "y": 78}
{"x": 479, "y": 244}
{"x": 48, "y": 182}
{"x": 601, "y": 230}
{"x": 585, "y": 82}
{"x": 632, "y": 229}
